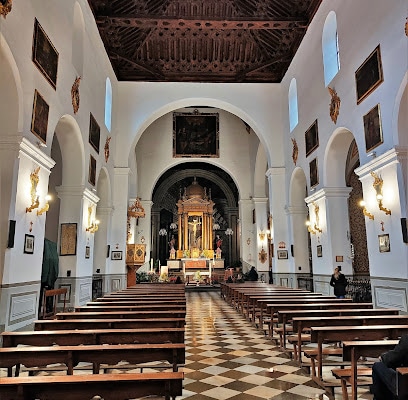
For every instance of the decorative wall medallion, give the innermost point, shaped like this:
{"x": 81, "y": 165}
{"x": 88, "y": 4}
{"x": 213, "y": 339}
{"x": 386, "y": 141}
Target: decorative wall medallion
{"x": 5, "y": 7}
{"x": 75, "y": 94}
{"x": 334, "y": 104}
{"x": 295, "y": 151}
{"x": 262, "y": 256}
{"x": 108, "y": 139}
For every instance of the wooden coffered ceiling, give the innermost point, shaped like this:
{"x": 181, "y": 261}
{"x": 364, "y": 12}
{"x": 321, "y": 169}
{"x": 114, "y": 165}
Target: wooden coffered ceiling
{"x": 202, "y": 40}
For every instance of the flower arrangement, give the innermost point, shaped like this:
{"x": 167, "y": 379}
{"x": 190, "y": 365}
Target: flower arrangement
{"x": 164, "y": 277}
{"x": 186, "y": 253}
{"x": 197, "y": 276}
{"x": 206, "y": 253}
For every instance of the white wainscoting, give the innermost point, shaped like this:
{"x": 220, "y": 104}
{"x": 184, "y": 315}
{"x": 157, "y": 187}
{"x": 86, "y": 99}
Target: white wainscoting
{"x": 387, "y": 297}
{"x": 23, "y": 306}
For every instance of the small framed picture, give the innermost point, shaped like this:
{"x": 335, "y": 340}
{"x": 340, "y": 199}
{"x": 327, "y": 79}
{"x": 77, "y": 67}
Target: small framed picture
{"x": 369, "y": 75}
{"x": 311, "y": 138}
{"x": 339, "y": 258}
{"x": 372, "y": 128}
{"x": 282, "y": 254}
{"x": 92, "y": 170}
{"x": 39, "y": 119}
{"x": 314, "y": 173}
{"x": 319, "y": 250}
{"x": 87, "y": 252}
{"x": 94, "y": 133}
{"x": 29, "y": 244}
{"x": 116, "y": 255}
{"x": 384, "y": 243}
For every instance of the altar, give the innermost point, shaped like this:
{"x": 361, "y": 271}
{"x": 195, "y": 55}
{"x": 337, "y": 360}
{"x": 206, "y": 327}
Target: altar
{"x": 192, "y": 265}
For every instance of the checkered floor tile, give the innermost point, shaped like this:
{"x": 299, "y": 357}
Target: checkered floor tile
{"x": 228, "y": 359}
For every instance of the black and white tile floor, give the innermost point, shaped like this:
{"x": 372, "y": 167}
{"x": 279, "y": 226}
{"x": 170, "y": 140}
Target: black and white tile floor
{"x": 228, "y": 359}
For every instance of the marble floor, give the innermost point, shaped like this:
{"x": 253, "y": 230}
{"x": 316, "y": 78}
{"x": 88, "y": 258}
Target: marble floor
{"x": 228, "y": 359}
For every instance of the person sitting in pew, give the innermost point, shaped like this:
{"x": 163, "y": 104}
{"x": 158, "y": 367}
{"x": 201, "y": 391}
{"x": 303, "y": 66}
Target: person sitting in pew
{"x": 384, "y": 376}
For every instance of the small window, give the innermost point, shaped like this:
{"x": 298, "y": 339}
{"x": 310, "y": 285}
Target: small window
{"x": 330, "y": 48}
{"x": 293, "y": 105}
{"x": 108, "y": 104}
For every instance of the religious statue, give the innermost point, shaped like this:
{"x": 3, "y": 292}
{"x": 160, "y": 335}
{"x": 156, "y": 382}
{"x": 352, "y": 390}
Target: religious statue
{"x": 194, "y": 224}
{"x": 172, "y": 249}
{"x": 218, "y": 242}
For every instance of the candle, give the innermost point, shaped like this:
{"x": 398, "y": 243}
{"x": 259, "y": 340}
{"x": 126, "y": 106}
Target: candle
{"x": 151, "y": 264}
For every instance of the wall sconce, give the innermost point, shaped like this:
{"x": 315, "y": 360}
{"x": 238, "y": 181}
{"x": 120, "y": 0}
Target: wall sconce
{"x": 365, "y": 212}
{"x": 216, "y": 226}
{"x": 46, "y": 205}
{"x": 262, "y": 236}
{"x": 310, "y": 228}
{"x": 173, "y": 226}
{"x": 94, "y": 225}
{"x": 229, "y": 231}
{"x": 316, "y": 225}
{"x": 377, "y": 185}
{"x": 162, "y": 232}
{"x": 35, "y": 200}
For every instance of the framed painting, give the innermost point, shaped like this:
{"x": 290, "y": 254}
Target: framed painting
{"x": 94, "y": 133}
{"x": 87, "y": 252}
{"x": 319, "y": 250}
{"x": 339, "y": 258}
{"x": 369, "y": 75}
{"x": 372, "y": 128}
{"x": 68, "y": 239}
{"x": 311, "y": 138}
{"x": 314, "y": 173}
{"x": 384, "y": 243}
{"x": 29, "y": 244}
{"x": 45, "y": 56}
{"x": 92, "y": 171}
{"x": 196, "y": 135}
{"x": 116, "y": 255}
{"x": 39, "y": 118}
{"x": 282, "y": 254}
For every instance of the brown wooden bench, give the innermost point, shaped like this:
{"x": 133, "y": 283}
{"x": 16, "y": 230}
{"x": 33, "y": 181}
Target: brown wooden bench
{"x": 123, "y": 314}
{"x": 112, "y": 323}
{"x": 107, "y": 386}
{"x": 93, "y": 336}
{"x": 54, "y": 293}
{"x": 108, "y": 355}
{"x": 324, "y": 334}
{"x": 137, "y": 307}
{"x": 352, "y": 351}
{"x": 402, "y": 383}
{"x": 301, "y": 323}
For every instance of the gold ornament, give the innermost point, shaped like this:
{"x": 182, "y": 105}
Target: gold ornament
{"x": 75, "y": 94}
{"x": 5, "y": 7}
{"x": 295, "y": 151}
{"x": 108, "y": 139}
{"x": 334, "y": 104}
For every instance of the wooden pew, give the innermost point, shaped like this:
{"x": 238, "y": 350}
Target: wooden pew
{"x": 136, "y": 307}
{"x": 123, "y": 314}
{"x": 79, "y": 387}
{"x": 119, "y": 323}
{"x": 93, "y": 336}
{"x": 352, "y": 351}
{"x": 274, "y": 308}
{"x": 130, "y": 301}
{"x": 301, "y": 323}
{"x": 39, "y": 356}
{"x": 402, "y": 383}
{"x": 323, "y": 334}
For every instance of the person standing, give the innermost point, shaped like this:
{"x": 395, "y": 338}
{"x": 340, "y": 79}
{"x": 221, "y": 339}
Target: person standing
{"x": 339, "y": 283}
{"x": 384, "y": 376}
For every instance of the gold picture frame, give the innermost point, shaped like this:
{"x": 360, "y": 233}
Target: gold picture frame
{"x": 44, "y": 54}
{"x": 372, "y": 128}
{"x": 68, "y": 239}
{"x": 39, "y": 118}
{"x": 384, "y": 243}
{"x": 369, "y": 75}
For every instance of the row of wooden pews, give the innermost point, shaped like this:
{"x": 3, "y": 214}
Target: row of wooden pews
{"x": 141, "y": 327}
{"x": 322, "y": 332}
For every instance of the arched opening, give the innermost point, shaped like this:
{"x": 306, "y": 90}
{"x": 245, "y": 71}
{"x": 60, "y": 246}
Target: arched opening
{"x": 330, "y": 48}
{"x": 293, "y": 105}
{"x": 78, "y": 39}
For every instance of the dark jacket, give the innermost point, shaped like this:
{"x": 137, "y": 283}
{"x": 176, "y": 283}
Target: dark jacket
{"x": 398, "y": 357}
{"x": 339, "y": 284}
{"x": 252, "y": 274}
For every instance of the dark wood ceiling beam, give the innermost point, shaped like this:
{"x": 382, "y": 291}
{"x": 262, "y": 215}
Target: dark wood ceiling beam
{"x": 150, "y": 71}
{"x": 201, "y": 23}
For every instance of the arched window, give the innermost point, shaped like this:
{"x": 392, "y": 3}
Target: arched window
{"x": 108, "y": 104}
{"x": 293, "y": 105}
{"x": 330, "y": 48}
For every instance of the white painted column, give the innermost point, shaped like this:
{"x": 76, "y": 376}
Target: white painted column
{"x": 280, "y": 231}
{"x": 248, "y": 234}
{"x": 261, "y": 224}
